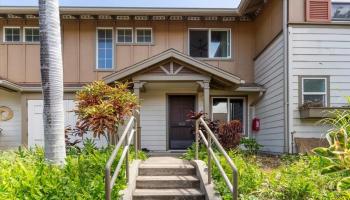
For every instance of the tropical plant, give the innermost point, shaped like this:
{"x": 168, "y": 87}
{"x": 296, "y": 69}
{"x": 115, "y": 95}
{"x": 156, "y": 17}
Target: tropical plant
{"x": 251, "y": 145}
{"x": 338, "y": 152}
{"x": 25, "y": 174}
{"x": 102, "y": 108}
{"x": 229, "y": 134}
{"x": 295, "y": 177}
{"x": 52, "y": 80}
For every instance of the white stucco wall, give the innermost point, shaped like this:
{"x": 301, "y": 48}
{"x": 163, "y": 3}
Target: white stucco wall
{"x": 11, "y": 129}
{"x": 318, "y": 51}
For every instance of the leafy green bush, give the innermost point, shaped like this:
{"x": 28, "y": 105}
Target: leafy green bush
{"x": 251, "y": 145}
{"x": 296, "y": 178}
{"x": 338, "y": 152}
{"x": 25, "y": 174}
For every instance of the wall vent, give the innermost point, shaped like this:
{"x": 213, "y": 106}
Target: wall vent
{"x": 318, "y": 10}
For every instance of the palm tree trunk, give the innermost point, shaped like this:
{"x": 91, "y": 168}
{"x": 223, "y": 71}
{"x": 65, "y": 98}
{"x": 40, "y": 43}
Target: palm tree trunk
{"x": 52, "y": 80}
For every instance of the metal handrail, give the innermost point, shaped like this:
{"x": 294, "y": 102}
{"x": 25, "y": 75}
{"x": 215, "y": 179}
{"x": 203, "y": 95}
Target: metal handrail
{"x": 233, "y": 187}
{"x": 126, "y": 138}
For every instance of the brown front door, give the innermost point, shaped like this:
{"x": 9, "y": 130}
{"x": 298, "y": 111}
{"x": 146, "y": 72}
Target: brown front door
{"x": 180, "y": 129}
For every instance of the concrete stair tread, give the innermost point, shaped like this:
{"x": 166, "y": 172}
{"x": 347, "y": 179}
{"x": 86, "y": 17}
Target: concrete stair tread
{"x": 168, "y": 192}
{"x": 167, "y": 178}
{"x": 167, "y": 166}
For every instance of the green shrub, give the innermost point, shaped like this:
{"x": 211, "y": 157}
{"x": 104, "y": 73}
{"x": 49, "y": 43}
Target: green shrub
{"x": 296, "y": 178}
{"x": 338, "y": 152}
{"x": 25, "y": 174}
{"x": 251, "y": 145}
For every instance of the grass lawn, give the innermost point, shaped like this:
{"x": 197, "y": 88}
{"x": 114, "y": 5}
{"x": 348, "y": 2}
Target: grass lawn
{"x": 290, "y": 177}
{"x": 24, "y": 174}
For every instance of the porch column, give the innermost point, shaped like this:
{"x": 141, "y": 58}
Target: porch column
{"x": 137, "y": 87}
{"x": 206, "y": 98}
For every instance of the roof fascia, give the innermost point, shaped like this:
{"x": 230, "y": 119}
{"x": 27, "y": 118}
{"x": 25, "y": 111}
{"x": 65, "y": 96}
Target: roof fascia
{"x": 136, "y": 11}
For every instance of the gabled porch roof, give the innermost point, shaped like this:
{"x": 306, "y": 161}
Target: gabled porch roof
{"x": 176, "y": 55}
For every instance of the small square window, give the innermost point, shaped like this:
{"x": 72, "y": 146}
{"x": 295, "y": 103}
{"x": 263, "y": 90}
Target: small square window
{"x": 144, "y": 35}
{"x": 31, "y": 34}
{"x": 314, "y": 92}
{"x": 12, "y": 34}
{"x": 124, "y": 35}
{"x": 340, "y": 11}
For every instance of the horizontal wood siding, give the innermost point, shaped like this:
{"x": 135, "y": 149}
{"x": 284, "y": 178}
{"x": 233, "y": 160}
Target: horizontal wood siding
{"x": 270, "y": 109}
{"x": 319, "y": 50}
{"x": 154, "y": 112}
{"x": 11, "y": 129}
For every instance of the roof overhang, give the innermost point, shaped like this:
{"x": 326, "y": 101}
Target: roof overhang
{"x": 251, "y": 87}
{"x": 134, "y": 10}
{"x": 172, "y": 54}
{"x": 10, "y": 86}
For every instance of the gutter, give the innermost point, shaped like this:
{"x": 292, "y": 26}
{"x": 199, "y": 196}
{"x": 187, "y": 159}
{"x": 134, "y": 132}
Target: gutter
{"x": 286, "y": 145}
{"x": 20, "y": 88}
{"x": 133, "y": 10}
{"x": 10, "y": 86}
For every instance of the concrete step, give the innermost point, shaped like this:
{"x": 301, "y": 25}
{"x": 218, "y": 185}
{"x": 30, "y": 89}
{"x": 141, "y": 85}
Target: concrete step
{"x": 168, "y": 194}
{"x": 166, "y": 170}
{"x": 161, "y": 182}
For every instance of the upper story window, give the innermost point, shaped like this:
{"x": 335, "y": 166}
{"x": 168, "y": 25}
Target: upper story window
{"x": 340, "y": 11}
{"x": 12, "y": 34}
{"x": 104, "y": 48}
{"x": 31, "y": 34}
{"x": 143, "y": 35}
{"x": 124, "y": 35}
{"x": 210, "y": 43}
{"x": 314, "y": 91}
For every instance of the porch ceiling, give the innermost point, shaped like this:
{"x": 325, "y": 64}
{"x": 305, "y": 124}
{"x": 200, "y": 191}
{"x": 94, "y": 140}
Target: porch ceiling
{"x": 203, "y": 69}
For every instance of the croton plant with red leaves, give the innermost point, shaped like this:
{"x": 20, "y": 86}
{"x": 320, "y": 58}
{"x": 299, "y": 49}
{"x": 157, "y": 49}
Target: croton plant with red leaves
{"x": 102, "y": 108}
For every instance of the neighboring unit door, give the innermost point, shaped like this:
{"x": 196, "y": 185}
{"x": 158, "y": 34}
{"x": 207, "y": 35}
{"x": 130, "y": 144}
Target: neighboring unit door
{"x": 35, "y": 120}
{"x": 180, "y": 128}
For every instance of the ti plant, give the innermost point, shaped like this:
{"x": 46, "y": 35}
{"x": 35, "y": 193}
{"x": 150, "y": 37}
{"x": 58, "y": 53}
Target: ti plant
{"x": 338, "y": 152}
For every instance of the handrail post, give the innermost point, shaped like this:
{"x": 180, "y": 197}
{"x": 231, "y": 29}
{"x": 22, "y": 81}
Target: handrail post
{"x": 235, "y": 185}
{"x": 197, "y": 138}
{"x": 107, "y": 184}
{"x": 136, "y": 134}
{"x": 209, "y": 158}
{"x": 127, "y": 158}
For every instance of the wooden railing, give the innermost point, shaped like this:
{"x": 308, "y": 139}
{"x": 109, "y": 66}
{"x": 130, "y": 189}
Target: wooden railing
{"x": 129, "y": 133}
{"x": 233, "y": 187}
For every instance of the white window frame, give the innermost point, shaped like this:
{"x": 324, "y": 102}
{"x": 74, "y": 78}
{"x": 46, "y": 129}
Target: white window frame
{"x": 4, "y": 33}
{"x": 244, "y": 123}
{"x": 144, "y": 28}
{"x": 209, "y": 41}
{"x": 24, "y": 33}
{"x": 97, "y": 67}
{"x": 125, "y": 28}
{"x": 325, "y": 93}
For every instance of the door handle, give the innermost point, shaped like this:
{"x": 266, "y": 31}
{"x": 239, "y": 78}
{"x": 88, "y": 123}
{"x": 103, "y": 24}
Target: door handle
{"x": 182, "y": 124}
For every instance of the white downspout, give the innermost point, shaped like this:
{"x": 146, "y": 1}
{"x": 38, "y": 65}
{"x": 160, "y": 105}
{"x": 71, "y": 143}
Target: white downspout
{"x": 286, "y": 77}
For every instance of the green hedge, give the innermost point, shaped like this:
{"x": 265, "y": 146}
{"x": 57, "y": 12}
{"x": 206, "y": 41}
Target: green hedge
{"x": 297, "y": 178}
{"x": 24, "y": 174}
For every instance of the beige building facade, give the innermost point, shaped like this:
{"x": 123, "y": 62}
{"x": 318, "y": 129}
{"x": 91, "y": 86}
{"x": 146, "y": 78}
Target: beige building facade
{"x": 240, "y": 63}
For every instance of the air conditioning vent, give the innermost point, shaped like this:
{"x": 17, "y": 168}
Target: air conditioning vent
{"x": 318, "y": 10}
